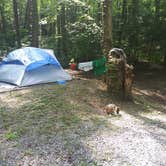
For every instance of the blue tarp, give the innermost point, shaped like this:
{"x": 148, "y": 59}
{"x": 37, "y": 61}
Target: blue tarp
{"x": 31, "y": 57}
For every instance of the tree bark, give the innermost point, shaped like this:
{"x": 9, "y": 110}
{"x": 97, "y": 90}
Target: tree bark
{"x": 3, "y": 18}
{"x": 123, "y": 20}
{"x": 16, "y": 23}
{"x": 165, "y": 58}
{"x": 107, "y": 26}
{"x": 59, "y": 35}
{"x": 63, "y": 30}
{"x": 134, "y": 28}
{"x": 35, "y": 24}
{"x": 99, "y": 14}
{"x": 157, "y": 10}
{"x": 28, "y": 15}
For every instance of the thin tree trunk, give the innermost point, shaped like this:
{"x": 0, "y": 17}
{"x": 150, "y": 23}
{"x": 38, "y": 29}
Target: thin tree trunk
{"x": 16, "y": 23}
{"x": 157, "y": 10}
{"x": 107, "y": 26}
{"x": 165, "y": 58}
{"x": 63, "y": 28}
{"x": 58, "y": 33}
{"x": 99, "y": 14}
{"x": 134, "y": 25}
{"x": 28, "y": 15}
{"x": 3, "y": 18}
{"x": 3, "y": 25}
{"x": 35, "y": 24}
{"x": 124, "y": 20}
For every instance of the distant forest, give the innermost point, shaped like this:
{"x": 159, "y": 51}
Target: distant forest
{"x": 74, "y": 28}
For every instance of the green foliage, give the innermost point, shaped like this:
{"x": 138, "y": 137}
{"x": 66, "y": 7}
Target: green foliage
{"x": 139, "y": 29}
{"x": 85, "y": 36}
{"x": 143, "y": 33}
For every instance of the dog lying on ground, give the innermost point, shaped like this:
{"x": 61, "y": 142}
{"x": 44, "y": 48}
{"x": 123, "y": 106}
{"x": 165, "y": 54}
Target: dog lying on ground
{"x": 112, "y": 109}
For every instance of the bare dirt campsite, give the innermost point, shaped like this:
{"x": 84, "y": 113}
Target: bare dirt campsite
{"x": 65, "y": 125}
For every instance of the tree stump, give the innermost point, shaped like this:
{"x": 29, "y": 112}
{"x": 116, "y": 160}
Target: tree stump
{"x": 119, "y": 77}
{"x": 129, "y": 78}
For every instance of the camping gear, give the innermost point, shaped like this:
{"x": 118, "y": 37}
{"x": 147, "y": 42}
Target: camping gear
{"x": 29, "y": 66}
{"x": 86, "y": 66}
{"x": 61, "y": 82}
{"x": 99, "y": 66}
{"x": 4, "y": 87}
{"x": 73, "y": 66}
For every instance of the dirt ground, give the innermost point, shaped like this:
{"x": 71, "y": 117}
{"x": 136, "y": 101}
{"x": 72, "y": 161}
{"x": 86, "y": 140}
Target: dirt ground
{"x": 64, "y": 125}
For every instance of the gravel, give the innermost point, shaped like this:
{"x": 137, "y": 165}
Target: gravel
{"x": 132, "y": 142}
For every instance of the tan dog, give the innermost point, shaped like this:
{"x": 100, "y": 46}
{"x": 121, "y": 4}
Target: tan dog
{"x": 112, "y": 109}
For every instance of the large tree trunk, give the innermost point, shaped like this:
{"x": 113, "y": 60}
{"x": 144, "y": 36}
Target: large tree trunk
{"x": 35, "y": 24}
{"x": 107, "y": 26}
{"x": 16, "y": 23}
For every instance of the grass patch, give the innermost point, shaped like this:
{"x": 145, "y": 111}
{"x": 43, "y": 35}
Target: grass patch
{"x": 93, "y": 163}
{"x": 69, "y": 120}
{"x": 98, "y": 121}
{"x": 48, "y": 111}
{"x": 10, "y": 136}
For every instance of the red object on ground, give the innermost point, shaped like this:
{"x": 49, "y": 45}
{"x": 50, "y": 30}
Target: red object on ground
{"x": 73, "y": 66}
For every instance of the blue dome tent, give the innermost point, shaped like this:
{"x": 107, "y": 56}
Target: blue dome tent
{"x": 29, "y": 66}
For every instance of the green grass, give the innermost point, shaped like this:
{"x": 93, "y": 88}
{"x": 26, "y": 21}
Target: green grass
{"x": 47, "y": 111}
{"x": 10, "y": 136}
{"x": 83, "y": 163}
